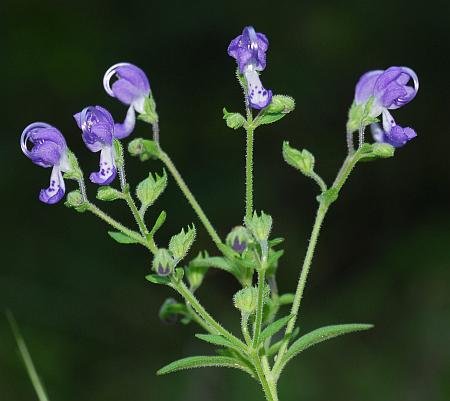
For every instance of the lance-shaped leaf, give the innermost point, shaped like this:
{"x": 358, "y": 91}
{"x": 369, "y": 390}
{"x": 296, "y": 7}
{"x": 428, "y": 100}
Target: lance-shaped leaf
{"x": 203, "y": 362}
{"x": 121, "y": 238}
{"x": 217, "y": 340}
{"x": 274, "y": 327}
{"x": 150, "y": 189}
{"x": 317, "y": 336}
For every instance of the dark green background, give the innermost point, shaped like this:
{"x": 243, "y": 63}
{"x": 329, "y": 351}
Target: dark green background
{"x": 88, "y": 315}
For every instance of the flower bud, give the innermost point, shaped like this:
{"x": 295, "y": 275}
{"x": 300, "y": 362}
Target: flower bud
{"x": 384, "y": 150}
{"x": 108, "y": 194}
{"x": 75, "y": 199}
{"x": 144, "y": 148}
{"x": 163, "y": 262}
{"x": 260, "y": 226}
{"x": 303, "y": 161}
{"x": 150, "y": 189}
{"x": 179, "y": 244}
{"x": 238, "y": 239}
{"x": 195, "y": 275}
{"x": 246, "y": 300}
{"x": 281, "y": 104}
{"x": 168, "y": 311}
{"x": 233, "y": 120}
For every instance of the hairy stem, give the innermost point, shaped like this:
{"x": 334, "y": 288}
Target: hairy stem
{"x": 344, "y": 172}
{"x": 301, "y": 284}
{"x": 130, "y": 233}
{"x": 260, "y": 306}
{"x": 265, "y": 379}
{"x": 190, "y": 297}
{"x": 244, "y": 327}
{"x": 164, "y": 157}
{"x": 249, "y": 174}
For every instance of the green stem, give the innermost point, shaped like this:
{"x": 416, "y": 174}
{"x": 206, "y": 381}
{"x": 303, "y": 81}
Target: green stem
{"x": 267, "y": 384}
{"x": 130, "y": 233}
{"x": 259, "y": 307}
{"x": 301, "y": 283}
{"x": 244, "y": 327}
{"x": 344, "y": 172}
{"x": 199, "y": 320}
{"x": 140, "y": 222}
{"x": 134, "y": 210}
{"x": 164, "y": 157}
{"x": 249, "y": 173}
{"x": 190, "y": 297}
{"x": 320, "y": 182}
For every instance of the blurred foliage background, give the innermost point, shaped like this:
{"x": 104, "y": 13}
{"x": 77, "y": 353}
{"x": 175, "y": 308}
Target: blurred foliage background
{"x": 88, "y": 315}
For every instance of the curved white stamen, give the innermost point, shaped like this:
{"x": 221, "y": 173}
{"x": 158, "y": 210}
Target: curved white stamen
{"x": 26, "y": 134}
{"x": 109, "y": 74}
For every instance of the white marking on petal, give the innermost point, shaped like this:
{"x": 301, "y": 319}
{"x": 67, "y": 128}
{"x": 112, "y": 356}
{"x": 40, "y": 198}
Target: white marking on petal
{"x": 388, "y": 121}
{"x": 256, "y": 93}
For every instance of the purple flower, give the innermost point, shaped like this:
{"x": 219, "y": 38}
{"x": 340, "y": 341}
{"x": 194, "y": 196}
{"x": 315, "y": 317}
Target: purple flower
{"x": 389, "y": 90}
{"x": 391, "y": 133}
{"x": 131, "y": 88}
{"x": 49, "y": 150}
{"x": 249, "y": 50}
{"x": 97, "y": 125}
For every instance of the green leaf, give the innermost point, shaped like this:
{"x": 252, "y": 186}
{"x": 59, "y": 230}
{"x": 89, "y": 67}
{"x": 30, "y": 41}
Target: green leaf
{"x": 159, "y": 222}
{"x": 121, "y": 238}
{"x": 276, "y": 241}
{"x": 155, "y": 279}
{"x": 170, "y": 310}
{"x": 215, "y": 339}
{"x": 286, "y": 299}
{"x": 279, "y": 107}
{"x": 203, "y": 362}
{"x": 275, "y": 327}
{"x": 268, "y": 118}
{"x": 150, "y": 189}
{"x": 273, "y": 349}
{"x": 317, "y": 336}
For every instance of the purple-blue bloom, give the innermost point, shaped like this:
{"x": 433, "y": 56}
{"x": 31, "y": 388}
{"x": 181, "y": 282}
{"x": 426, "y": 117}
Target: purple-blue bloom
{"x": 389, "y": 90}
{"x": 131, "y": 88}
{"x": 249, "y": 50}
{"x": 97, "y": 126}
{"x": 49, "y": 150}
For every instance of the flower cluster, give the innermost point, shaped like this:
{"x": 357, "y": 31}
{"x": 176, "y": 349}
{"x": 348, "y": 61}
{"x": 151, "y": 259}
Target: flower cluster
{"x": 388, "y": 90}
{"x": 249, "y": 250}
{"x": 49, "y": 148}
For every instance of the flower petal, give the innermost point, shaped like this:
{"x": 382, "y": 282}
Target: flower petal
{"x": 55, "y": 192}
{"x": 257, "y": 95}
{"x": 364, "y": 87}
{"x": 107, "y": 171}
{"x": 126, "y": 128}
